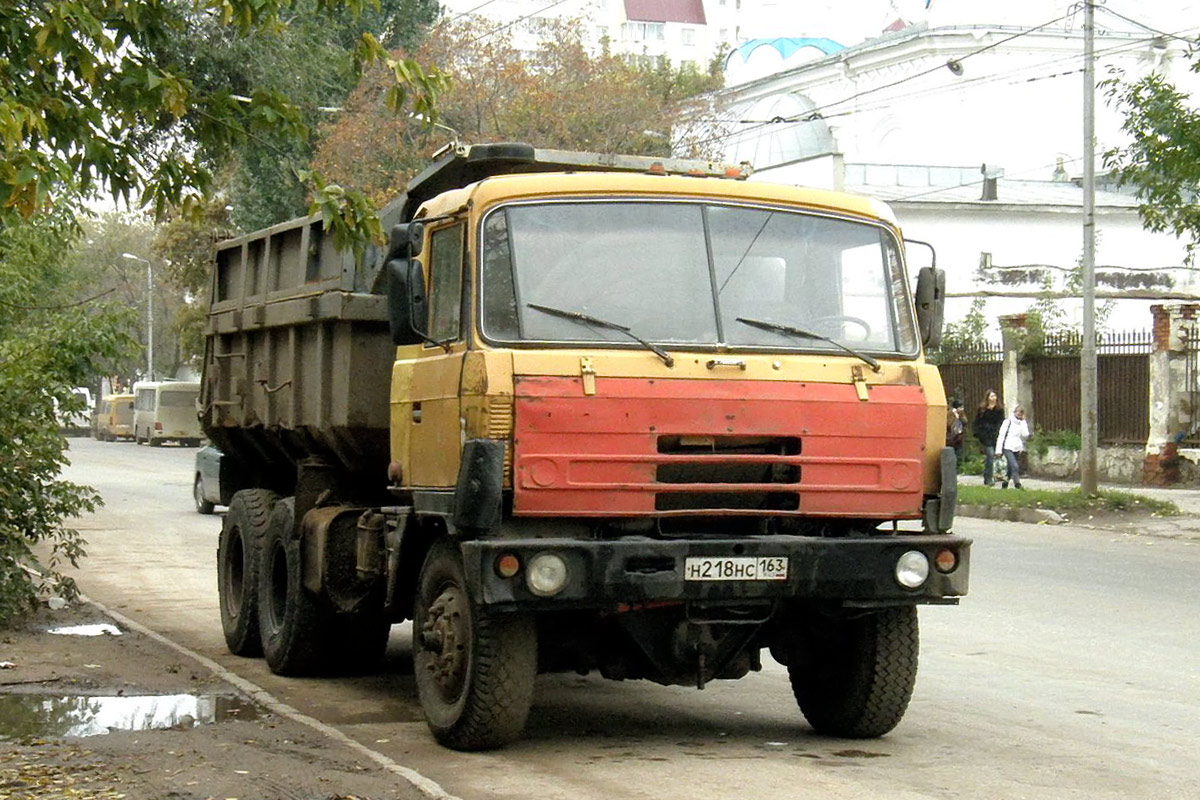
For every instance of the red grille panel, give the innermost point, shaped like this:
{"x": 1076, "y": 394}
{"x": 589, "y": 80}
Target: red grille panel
{"x": 643, "y": 447}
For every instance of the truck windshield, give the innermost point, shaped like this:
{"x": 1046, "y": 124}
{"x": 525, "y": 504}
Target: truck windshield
{"x": 682, "y": 274}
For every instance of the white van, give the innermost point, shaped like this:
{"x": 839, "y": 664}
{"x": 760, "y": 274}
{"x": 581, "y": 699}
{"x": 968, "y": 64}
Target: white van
{"x": 165, "y": 411}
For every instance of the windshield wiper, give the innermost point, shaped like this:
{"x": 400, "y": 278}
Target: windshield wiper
{"x": 579, "y": 316}
{"x": 777, "y": 328}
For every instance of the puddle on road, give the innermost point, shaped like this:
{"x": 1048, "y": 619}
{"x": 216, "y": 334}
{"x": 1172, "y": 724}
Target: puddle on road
{"x": 53, "y": 716}
{"x": 98, "y": 629}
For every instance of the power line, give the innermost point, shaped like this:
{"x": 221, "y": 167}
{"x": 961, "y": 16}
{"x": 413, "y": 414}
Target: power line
{"x": 818, "y": 112}
{"x": 1144, "y": 26}
{"x": 516, "y": 21}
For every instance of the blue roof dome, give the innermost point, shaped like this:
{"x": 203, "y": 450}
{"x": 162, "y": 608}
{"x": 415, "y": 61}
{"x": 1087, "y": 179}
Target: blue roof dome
{"x": 786, "y": 46}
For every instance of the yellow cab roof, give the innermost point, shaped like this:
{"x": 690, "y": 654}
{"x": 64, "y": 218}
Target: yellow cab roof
{"x": 502, "y": 188}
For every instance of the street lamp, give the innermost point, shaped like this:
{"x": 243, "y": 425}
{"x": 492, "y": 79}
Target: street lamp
{"x": 149, "y": 313}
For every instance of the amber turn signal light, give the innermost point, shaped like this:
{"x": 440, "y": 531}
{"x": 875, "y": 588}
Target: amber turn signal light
{"x": 946, "y": 560}
{"x": 507, "y": 565}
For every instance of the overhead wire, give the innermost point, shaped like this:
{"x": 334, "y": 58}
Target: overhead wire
{"x": 819, "y": 111}
{"x": 817, "y": 114}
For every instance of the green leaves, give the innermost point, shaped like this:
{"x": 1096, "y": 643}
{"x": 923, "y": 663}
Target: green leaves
{"x": 1162, "y": 158}
{"x": 48, "y": 345}
{"x": 130, "y": 108}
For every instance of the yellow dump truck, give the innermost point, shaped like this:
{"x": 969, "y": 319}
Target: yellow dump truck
{"x": 637, "y": 416}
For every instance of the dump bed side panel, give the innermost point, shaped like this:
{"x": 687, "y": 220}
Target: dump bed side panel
{"x": 297, "y": 355}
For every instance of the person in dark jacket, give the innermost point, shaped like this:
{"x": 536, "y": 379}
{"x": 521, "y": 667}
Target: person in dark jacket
{"x": 989, "y": 416}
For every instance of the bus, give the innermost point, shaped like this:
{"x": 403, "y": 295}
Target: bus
{"x": 166, "y": 411}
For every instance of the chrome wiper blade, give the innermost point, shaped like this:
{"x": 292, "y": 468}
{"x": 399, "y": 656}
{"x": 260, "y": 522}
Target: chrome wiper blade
{"x": 794, "y": 331}
{"x": 579, "y": 316}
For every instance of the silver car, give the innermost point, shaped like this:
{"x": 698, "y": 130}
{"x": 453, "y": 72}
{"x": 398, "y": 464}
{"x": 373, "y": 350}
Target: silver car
{"x": 206, "y": 488}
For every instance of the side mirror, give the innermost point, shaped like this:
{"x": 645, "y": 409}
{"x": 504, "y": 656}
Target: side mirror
{"x": 406, "y": 240}
{"x": 931, "y": 305}
{"x": 407, "y": 309}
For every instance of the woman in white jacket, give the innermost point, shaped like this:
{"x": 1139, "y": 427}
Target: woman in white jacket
{"x": 1011, "y": 440}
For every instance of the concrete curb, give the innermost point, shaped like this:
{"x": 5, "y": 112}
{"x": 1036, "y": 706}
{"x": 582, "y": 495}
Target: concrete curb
{"x": 426, "y": 786}
{"x": 1034, "y": 516}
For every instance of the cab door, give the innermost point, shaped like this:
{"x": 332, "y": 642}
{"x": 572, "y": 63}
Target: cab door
{"x": 427, "y": 432}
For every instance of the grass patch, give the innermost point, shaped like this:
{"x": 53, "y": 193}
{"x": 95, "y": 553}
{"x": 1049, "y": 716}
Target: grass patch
{"x": 1064, "y": 500}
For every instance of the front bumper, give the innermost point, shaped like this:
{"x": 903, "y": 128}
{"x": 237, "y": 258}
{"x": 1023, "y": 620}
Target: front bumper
{"x": 637, "y": 570}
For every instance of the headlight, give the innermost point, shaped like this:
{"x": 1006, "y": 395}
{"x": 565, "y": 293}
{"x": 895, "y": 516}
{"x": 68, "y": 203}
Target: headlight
{"x": 912, "y": 569}
{"x": 546, "y": 574}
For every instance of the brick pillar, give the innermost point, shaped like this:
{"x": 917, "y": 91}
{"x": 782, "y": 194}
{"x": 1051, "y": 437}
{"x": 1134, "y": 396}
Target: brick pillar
{"x": 1018, "y": 375}
{"x": 1171, "y": 414}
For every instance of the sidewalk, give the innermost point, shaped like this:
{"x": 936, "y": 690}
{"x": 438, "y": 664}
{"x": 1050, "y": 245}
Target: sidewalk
{"x": 1184, "y": 526}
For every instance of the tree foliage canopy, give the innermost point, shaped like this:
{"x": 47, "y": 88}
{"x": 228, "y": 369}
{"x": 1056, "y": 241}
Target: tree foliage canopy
{"x": 115, "y": 95}
{"x": 1162, "y": 157}
{"x": 49, "y": 344}
{"x": 559, "y": 96}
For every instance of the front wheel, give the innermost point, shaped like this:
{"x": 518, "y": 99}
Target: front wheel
{"x": 853, "y": 677}
{"x": 474, "y": 668}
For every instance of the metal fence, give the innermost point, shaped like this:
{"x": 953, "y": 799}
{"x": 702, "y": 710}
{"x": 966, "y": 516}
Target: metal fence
{"x": 1122, "y": 386}
{"x": 1123, "y": 382}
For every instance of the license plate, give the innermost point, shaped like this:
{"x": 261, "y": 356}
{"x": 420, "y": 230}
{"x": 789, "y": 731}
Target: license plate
{"x": 736, "y": 568}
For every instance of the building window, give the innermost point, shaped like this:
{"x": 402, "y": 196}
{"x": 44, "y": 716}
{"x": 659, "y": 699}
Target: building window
{"x": 643, "y": 31}
{"x": 688, "y": 36}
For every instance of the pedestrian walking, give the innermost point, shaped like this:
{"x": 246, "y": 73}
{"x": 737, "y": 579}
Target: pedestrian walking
{"x": 989, "y": 416}
{"x": 956, "y": 430}
{"x": 1010, "y": 441}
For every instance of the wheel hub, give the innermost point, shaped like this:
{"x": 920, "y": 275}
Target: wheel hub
{"x": 444, "y": 638}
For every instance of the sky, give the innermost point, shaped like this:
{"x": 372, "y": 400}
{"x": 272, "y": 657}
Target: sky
{"x": 849, "y": 22}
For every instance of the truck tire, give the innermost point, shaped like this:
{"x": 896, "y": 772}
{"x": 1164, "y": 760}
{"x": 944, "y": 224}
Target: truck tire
{"x": 296, "y": 630}
{"x": 474, "y": 669}
{"x": 854, "y": 677}
{"x": 237, "y": 568}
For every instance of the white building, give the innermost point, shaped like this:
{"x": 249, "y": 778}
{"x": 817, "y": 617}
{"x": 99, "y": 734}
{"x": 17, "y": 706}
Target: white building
{"x": 685, "y": 32}
{"x": 912, "y": 116}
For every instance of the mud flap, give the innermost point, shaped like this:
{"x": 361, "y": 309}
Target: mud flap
{"x": 939, "y": 511}
{"x": 480, "y": 484}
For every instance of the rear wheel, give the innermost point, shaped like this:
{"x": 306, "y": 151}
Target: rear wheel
{"x": 296, "y": 630}
{"x": 853, "y": 677}
{"x": 202, "y": 505}
{"x": 238, "y": 567}
{"x": 474, "y": 669}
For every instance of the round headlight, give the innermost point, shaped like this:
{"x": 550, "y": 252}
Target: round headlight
{"x": 546, "y": 574}
{"x": 912, "y": 569}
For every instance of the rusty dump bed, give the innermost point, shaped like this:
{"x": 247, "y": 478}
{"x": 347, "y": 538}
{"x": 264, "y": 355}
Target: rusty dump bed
{"x": 297, "y": 353}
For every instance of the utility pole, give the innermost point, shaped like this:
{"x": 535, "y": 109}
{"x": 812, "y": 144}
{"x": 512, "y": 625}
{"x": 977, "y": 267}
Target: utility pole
{"x": 149, "y": 313}
{"x": 1087, "y": 363}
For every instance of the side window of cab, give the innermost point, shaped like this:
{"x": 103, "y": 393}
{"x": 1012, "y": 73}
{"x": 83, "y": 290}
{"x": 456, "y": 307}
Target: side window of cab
{"x": 445, "y": 282}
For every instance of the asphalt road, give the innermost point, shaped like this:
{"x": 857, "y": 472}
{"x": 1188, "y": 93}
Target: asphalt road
{"x": 1071, "y": 671}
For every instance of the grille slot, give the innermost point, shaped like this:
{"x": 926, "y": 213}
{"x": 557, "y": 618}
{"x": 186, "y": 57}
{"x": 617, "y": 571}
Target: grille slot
{"x": 727, "y": 472}
{"x": 730, "y": 445}
{"x": 727, "y": 501}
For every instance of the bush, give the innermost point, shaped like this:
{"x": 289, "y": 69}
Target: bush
{"x": 48, "y": 345}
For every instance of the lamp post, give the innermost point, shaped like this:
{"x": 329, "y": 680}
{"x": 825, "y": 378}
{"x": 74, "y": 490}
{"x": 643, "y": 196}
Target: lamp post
{"x": 149, "y": 313}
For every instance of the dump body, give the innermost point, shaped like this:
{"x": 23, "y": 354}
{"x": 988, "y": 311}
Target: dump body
{"x": 297, "y": 356}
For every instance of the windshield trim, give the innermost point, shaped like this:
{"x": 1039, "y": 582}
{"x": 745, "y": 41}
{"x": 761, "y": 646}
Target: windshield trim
{"x": 883, "y": 226}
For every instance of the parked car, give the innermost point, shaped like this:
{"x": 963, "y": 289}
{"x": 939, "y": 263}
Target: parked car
{"x": 206, "y": 487}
